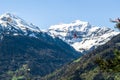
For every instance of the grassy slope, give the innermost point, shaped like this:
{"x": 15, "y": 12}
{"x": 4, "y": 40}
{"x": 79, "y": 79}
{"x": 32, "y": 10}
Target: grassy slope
{"x": 85, "y": 68}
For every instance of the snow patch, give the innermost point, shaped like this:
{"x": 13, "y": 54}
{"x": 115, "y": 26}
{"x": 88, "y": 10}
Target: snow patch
{"x": 81, "y": 35}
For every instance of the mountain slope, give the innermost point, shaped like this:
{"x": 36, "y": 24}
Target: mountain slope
{"x": 81, "y": 35}
{"x": 26, "y": 52}
{"x": 86, "y": 67}
{"x": 17, "y": 22}
{"x": 14, "y": 25}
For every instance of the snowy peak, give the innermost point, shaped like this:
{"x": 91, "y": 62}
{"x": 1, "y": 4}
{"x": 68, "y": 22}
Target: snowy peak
{"x": 81, "y": 35}
{"x": 11, "y": 24}
{"x": 9, "y": 15}
{"x": 76, "y": 25}
{"x": 17, "y": 22}
{"x": 64, "y": 30}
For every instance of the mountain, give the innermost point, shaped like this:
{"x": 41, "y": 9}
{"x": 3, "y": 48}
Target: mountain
{"x": 12, "y": 24}
{"x": 28, "y": 53}
{"x": 103, "y": 63}
{"x": 81, "y": 35}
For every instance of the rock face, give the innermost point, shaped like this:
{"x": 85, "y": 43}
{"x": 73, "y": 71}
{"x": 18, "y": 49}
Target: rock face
{"x": 81, "y": 35}
{"x": 27, "y": 52}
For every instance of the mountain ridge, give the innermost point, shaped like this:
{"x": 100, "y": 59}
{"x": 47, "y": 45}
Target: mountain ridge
{"x": 17, "y": 21}
{"x": 86, "y": 68}
{"x": 25, "y": 50}
{"x": 28, "y": 53}
{"x": 81, "y": 35}
{"x": 14, "y": 25}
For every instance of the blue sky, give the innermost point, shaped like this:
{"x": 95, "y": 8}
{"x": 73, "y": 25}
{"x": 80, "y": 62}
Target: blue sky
{"x": 44, "y": 13}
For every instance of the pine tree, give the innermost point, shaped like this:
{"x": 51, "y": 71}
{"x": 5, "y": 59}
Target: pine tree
{"x": 118, "y": 26}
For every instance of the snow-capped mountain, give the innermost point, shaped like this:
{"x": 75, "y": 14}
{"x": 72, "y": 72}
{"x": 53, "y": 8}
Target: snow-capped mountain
{"x": 23, "y": 44}
{"x": 12, "y": 24}
{"x": 81, "y": 35}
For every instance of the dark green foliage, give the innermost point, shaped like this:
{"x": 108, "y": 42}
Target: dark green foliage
{"x": 110, "y": 65}
{"x": 87, "y": 69}
{"x": 76, "y": 76}
{"x": 102, "y": 63}
{"x": 99, "y": 77}
{"x": 41, "y": 56}
{"x": 118, "y": 26}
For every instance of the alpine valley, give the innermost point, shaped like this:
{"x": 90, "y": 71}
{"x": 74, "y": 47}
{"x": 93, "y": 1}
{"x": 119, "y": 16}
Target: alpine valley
{"x": 28, "y": 53}
{"x": 103, "y": 63}
{"x": 59, "y": 53}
